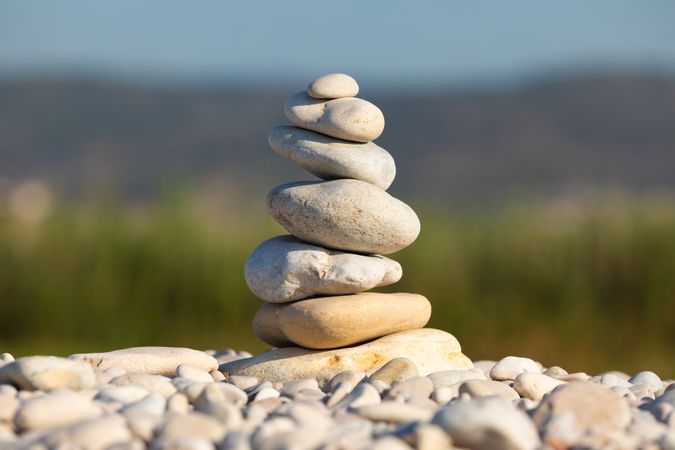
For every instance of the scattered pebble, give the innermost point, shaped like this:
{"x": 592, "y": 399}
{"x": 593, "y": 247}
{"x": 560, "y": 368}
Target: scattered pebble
{"x": 404, "y": 404}
{"x": 512, "y": 366}
{"x": 487, "y": 423}
{"x": 395, "y": 371}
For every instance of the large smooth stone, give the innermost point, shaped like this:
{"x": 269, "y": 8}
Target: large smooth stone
{"x": 284, "y": 269}
{"x": 47, "y": 372}
{"x": 344, "y": 214}
{"x": 350, "y": 118}
{"x": 332, "y": 322}
{"x": 153, "y": 360}
{"x": 330, "y": 158}
{"x": 333, "y": 85}
{"x": 431, "y": 351}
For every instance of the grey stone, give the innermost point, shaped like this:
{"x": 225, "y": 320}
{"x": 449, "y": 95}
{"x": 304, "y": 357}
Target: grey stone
{"x": 153, "y": 383}
{"x": 646, "y": 378}
{"x": 362, "y": 395}
{"x": 333, "y": 85}
{"x": 417, "y": 387}
{"x": 348, "y": 215}
{"x": 447, "y": 378}
{"x": 339, "y": 321}
{"x": 484, "y": 388}
{"x": 285, "y": 269}
{"x": 331, "y": 159}
{"x": 349, "y": 118}
{"x": 535, "y": 385}
{"x": 489, "y": 423}
{"x": 396, "y": 370}
{"x": 395, "y": 412}
{"x": 510, "y": 367}
{"x": 152, "y": 360}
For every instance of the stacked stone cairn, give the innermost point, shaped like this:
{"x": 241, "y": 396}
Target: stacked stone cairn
{"x": 314, "y": 281}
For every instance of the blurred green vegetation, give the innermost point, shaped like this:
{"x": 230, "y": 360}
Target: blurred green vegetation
{"x": 588, "y": 286}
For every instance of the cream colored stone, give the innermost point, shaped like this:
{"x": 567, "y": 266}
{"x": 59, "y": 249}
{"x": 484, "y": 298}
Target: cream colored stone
{"x": 431, "y": 351}
{"x": 284, "y": 269}
{"x": 331, "y": 322}
{"x": 349, "y": 215}
{"x": 97, "y": 434}
{"x": 152, "y": 383}
{"x": 333, "y": 85}
{"x": 330, "y": 158}
{"x": 61, "y": 407}
{"x": 153, "y": 360}
{"x": 349, "y": 118}
{"x": 47, "y": 372}
{"x": 535, "y": 385}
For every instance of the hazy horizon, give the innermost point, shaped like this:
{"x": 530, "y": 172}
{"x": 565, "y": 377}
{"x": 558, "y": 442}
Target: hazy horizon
{"x": 391, "y": 44}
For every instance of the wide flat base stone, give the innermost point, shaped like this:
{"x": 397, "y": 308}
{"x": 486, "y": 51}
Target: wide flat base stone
{"x": 431, "y": 350}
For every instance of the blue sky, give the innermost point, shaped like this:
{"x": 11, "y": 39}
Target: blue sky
{"x": 391, "y": 41}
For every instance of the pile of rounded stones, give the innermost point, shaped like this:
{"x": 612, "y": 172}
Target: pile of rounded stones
{"x": 314, "y": 281}
{"x": 179, "y": 399}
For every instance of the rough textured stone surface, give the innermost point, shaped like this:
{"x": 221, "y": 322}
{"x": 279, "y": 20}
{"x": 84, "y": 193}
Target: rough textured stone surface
{"x": 349, "y": 118}
{"x": 153, "y": 360}
{"x": 284, "y": 269}
{"x": 330, "y": 158}
{"x": 47, "y": 372}
{"x": 349, "y": 215}
{"x": 431, "y": 351}
{"x": 332, "y": 322}
{"x": 489, "y": 423}
{"x": 333, "y": 85}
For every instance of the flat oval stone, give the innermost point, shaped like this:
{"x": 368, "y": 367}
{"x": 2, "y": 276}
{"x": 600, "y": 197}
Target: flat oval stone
{"x": 349, "y": 118}
{"x": 431, "y": 351}
{"x": 344, "y": 214}
{"x": 153, "y": 360}
{"x": 331, "y": 322}
{"x": 333, "y": 85}
{"x": 47, "y": 372}
{"x": 284, "y": 269}
{"x": 330, "y": 158}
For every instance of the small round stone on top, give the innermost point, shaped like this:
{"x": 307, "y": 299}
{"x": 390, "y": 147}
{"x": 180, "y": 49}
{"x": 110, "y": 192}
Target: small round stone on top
{"x": 333, "y": 85}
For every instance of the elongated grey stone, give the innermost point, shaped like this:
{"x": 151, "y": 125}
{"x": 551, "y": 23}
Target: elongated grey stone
{"x": 331, "y": 158}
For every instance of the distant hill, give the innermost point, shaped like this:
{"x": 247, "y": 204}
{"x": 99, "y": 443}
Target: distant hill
{"x": 598, "y": 131}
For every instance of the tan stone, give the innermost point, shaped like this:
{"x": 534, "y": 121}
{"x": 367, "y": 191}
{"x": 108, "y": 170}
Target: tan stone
{"x": 332, "y": 322}
{"x": 431, "y": 351}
